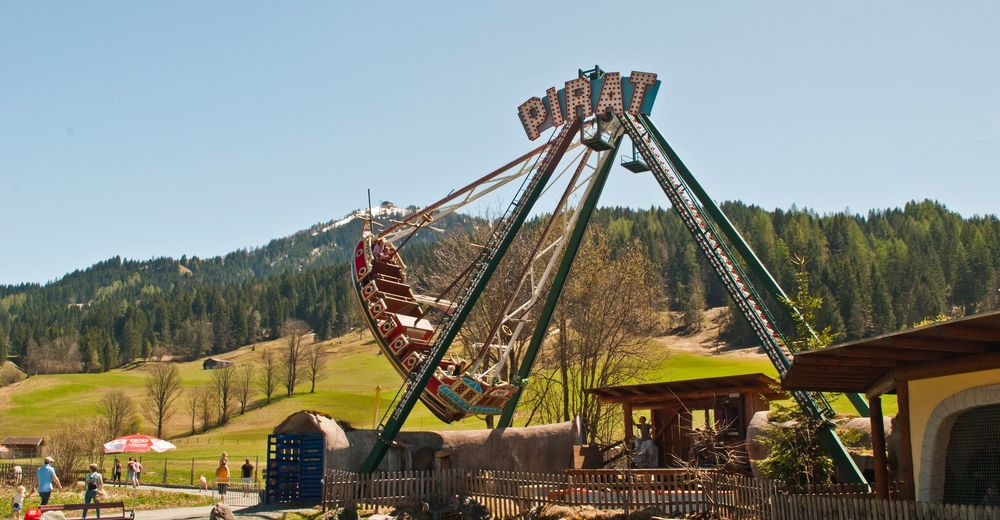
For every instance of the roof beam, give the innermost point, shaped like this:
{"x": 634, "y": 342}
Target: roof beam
{"x": 884, "y": 385}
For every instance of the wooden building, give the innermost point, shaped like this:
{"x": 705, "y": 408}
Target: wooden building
{"x": 214, "y": 363}
{"x": 946, "y": 377}
{"x": 23, "y": 447}
{"x": 728, "y": 403}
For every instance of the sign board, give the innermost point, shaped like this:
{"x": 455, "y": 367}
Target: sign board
{"x": 583, "y": 97}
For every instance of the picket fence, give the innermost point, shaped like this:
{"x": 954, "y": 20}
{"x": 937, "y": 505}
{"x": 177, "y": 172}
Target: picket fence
{"x": 673, "y": 493}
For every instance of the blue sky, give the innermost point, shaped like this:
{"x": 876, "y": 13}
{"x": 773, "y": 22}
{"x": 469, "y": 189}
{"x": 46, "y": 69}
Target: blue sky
{"x": 146, "y": 129}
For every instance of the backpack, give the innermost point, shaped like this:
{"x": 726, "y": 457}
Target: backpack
{"x": 91, "y": 480}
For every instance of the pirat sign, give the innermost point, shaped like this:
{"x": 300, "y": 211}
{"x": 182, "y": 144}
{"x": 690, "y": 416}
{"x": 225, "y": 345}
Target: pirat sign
{"x": 583, "y": 97}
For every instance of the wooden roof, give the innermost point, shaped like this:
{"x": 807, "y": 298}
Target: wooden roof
{"x": 23, "y": 441}
{"x": 856, "y": 366}
{"x": 689, "y": 389}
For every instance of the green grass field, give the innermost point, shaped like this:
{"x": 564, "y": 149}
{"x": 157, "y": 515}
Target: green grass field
{"x": 29, "y": 407}
{"x": 143, "y": 499}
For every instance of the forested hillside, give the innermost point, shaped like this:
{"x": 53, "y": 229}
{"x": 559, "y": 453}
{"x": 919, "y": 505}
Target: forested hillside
{"x": 876, "y": 273}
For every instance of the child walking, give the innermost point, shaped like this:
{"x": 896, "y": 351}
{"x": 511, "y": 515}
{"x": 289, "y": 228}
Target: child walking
{"x": 17, "y": 502}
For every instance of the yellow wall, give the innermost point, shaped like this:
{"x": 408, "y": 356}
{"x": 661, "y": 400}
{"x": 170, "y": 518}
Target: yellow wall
{"x": 925, "y": 394}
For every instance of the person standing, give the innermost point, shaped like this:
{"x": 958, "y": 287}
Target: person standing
{"x": 246, "y": 475}
{"x": 46, "y": 477}
{"x": 116, "y": 471}
{"x": 647, "y": 448}
{"x": 130, "y": 472}
{"x": 138, "y": 471}
{"x": 222, "y": 478}
{"x": 94, "y": 483}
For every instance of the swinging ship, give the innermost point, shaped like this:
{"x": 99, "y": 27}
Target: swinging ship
{"x": 397, "y": 319}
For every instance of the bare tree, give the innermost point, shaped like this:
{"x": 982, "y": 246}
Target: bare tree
{"x": 52, "y": 356}
{"x": 244, "y": 386}
{"x": 192, "y": 405}
{"x": 117, "y": 414}
{"x": 291, "y": 360}
{"x": 603, "y": 324}
{"x": 206, "y": 406}
{"x": 267, "y": 378}
{"x": 163, "y": 387}
{"x": 315, "y": 359}
{"x": 224, "y": 386}
{"x": 450, "y": 261}
{"x": 72, "y": 443}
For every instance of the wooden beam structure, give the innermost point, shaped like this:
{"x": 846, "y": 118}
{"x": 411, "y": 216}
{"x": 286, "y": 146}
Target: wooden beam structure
{"x": 878, "y": 448}
{"x": 905, "y": 454}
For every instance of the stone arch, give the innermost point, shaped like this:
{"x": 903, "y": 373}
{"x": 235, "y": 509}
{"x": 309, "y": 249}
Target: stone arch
{"x": 934, "y": 447}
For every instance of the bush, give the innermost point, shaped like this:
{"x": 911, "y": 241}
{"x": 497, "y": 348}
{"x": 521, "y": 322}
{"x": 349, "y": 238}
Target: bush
{"x": 795, "y": 455}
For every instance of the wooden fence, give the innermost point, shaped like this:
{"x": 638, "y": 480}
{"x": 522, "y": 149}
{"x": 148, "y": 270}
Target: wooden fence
{"x": 678, "y": 493}
{"x": 796, "y": 507}
{"x": 10, "y": 476}
{"x": 510, "y": 493}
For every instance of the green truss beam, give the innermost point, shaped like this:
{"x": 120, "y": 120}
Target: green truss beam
{"x": 572, "y": 247}
{"x": 750, "y": 258}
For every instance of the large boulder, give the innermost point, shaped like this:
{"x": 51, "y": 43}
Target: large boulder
{"x": 221, "y": 511}
{"x": 542, "y": 449}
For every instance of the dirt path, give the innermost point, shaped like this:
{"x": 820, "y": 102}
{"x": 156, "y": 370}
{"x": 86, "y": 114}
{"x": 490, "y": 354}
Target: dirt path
{"x": 706, "y": 341}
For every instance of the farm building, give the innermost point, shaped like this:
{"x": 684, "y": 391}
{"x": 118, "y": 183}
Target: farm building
{"x": 24, "y": 447}
{"x": 214, "y": 363}
{"x": 726, "y": 404}
{"x": 946, "y": 377}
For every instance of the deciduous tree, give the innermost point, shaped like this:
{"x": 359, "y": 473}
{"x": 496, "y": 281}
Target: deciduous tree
{"x": 244, "y": 386}
{"x": 603, "y": 323}
{"x": 291, "y": 361}
{"x": 267, "y": 374}
{"x": 117, "y": 414}
{"x": 315, "y": 364}
{"x": 224, "y": 386}
{"x": 163, "y": 387}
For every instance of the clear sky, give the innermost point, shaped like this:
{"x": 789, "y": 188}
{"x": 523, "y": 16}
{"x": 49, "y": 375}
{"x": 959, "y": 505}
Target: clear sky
{"x": 145, "y": 129}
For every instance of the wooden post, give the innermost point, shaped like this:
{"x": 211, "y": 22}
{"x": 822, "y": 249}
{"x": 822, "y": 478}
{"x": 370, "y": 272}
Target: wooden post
{"x": 878, "y": 447}
{"x": 629, "y": 429}
{"x": 905, "y": 446}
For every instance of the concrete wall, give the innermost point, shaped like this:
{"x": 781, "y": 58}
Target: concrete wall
{"x": 546, "y": 448}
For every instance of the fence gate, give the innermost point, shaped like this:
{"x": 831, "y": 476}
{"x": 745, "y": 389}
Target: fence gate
{"x": 294, "y": 468}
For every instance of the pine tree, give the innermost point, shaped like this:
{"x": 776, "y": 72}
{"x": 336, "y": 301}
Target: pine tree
{"x": 807, "y": 305}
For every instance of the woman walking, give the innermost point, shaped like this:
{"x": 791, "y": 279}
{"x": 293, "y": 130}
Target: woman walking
{"x": 94, "y": 482}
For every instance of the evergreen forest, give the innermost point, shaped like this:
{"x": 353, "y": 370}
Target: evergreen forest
{"x": 876, "y": 273}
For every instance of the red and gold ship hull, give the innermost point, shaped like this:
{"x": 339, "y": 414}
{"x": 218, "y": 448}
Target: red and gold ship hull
{"x": 405, "y": 336}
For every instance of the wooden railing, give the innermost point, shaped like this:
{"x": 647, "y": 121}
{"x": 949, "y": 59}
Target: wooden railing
{"x": 677, "y": 493}
{"x": 8, "y": 476}
{"x": 510, "y": 493}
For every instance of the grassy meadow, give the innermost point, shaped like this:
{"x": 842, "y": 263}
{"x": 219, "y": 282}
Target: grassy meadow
{"x": 347, "y": 393}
